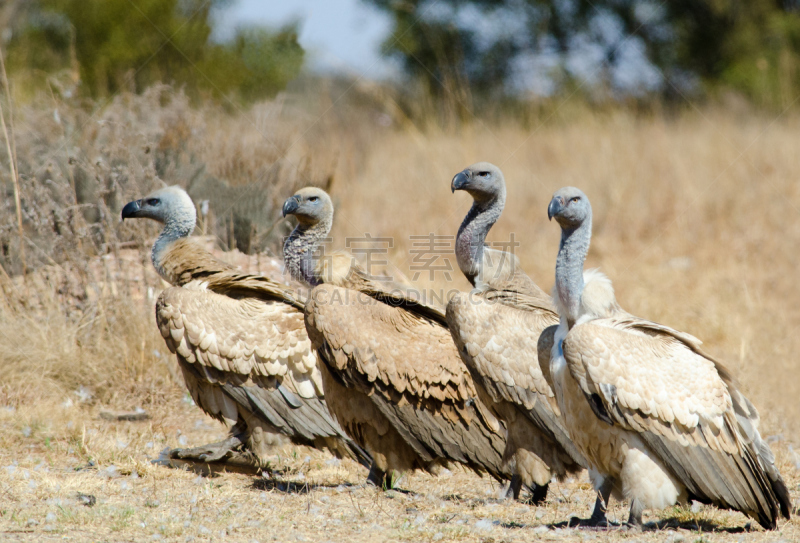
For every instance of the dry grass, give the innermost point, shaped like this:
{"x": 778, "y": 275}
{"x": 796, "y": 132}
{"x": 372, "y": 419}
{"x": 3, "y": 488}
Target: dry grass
{"x": 696, "y": 222}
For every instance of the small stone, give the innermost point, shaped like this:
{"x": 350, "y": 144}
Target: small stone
{"x": 484, "y": 525}
{"x": 32, "y": 522}
{"x": 111, "y": 472}
{"x": 182, "y": 441}
{"x": 673, "y": 537}
{"x": 27, "y": 431}
{"x": 51, "y": 517}
{"x": 541, "y": 529}
{"x": 696, "y": 507}
{"x": 203, "y": 530}
{"x": 438, "y": 536}
{"x": 86, "y": 499}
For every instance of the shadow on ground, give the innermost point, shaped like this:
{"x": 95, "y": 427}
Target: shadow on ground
{"x": 665, "y": 524}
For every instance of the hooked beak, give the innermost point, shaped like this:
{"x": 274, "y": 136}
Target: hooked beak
{"x": 290, "y": 205}
{"x": 131, "y": 209}
{"x": 459, "y": 182}
{"x": 555, "y": 207}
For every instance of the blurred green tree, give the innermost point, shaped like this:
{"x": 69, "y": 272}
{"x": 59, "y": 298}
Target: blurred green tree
{"x": 623, "y": 47}
{"x": 112, "y": 45}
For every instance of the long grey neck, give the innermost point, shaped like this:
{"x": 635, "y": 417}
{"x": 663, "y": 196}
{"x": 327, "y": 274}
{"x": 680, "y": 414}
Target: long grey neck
{"x": 175, "y": 228}
{"x": 299, "y": 249}
{"x": 472, "y": 235}
{"x": 569, "y": 268}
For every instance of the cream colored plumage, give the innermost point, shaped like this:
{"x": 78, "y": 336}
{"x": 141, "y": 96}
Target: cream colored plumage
{"x": 403, "y": 391}
{"x": 240, "y": 340}
{"x": 497, "y": 328}
{"x": 658, "y": 420}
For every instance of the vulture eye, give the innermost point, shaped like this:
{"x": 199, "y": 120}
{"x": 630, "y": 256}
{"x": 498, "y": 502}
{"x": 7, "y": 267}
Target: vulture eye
{"x": 575, "y": 199}
{"x": 313, "y": 199}
{"x": 153, "y": 201}
{"x": 483, "y": 174}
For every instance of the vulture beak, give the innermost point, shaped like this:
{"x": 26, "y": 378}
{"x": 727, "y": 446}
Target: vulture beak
{"x": 131, "y": 209}
{"x": 554, "y": 208}
{"x": 290, "y": 205}
{"x": 459, "y": 182}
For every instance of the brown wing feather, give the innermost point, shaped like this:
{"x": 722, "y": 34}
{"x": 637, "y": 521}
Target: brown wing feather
{"x": 655, "y": 381}
{"x": 247, "y": 359}
{"x": 497, "y": 335}
{"x": 186, "y": 260}
{"x": 409, "y": 367}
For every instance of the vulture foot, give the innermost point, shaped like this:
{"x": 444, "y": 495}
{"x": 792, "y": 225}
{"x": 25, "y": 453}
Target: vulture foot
{"x": 385, "y": 481}
{"x": 212, "y": 452}
{"x": 635, "y": 518}
{"x": 538, "y": 495}
{"x": 598, "y": 520}
{"x": 377, "y": 477}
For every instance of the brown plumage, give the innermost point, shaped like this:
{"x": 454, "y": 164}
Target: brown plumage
{"x": 240, "y": 340}
{"x": 659, "y": 421}
{"x": 400, "y": 388}
{"x": 496, "y": 328}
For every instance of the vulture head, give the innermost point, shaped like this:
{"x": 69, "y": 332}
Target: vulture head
{"x": 483, "y": 181}
{"x": 570, "y": 208}
{"x": 170, "y": 206}
{"x": 310, "y": 205}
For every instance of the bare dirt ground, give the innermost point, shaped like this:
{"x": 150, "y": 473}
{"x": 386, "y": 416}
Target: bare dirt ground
{"x": 102, "y": 481}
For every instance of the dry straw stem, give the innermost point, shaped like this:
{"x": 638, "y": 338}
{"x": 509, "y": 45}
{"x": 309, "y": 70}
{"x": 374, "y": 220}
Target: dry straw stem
{"x": 11, "y": 149}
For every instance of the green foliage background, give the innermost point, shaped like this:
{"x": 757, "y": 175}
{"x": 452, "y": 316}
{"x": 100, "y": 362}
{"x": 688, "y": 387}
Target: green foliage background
{"x": 104, "y": 46}
{"x": 700, "y": 47}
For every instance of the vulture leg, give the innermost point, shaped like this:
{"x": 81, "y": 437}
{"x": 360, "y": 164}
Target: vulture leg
{"x": 514, "y": 487}
{"x": 635, "y": 518}
{"x": 598, "y": 518}
{"x": 377, "y": 477}
{"x": 208, "y": 453}
{"x": 538, "y": 494}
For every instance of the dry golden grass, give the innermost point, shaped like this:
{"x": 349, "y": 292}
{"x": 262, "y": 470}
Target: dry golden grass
{"x": 696, "y": 222}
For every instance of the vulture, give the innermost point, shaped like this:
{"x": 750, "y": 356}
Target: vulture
{"x": 394, "y": 379}
{"x": 496, "y": 329}
{"x": 241, "y": 343}
{"x": 658, "y": 420}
